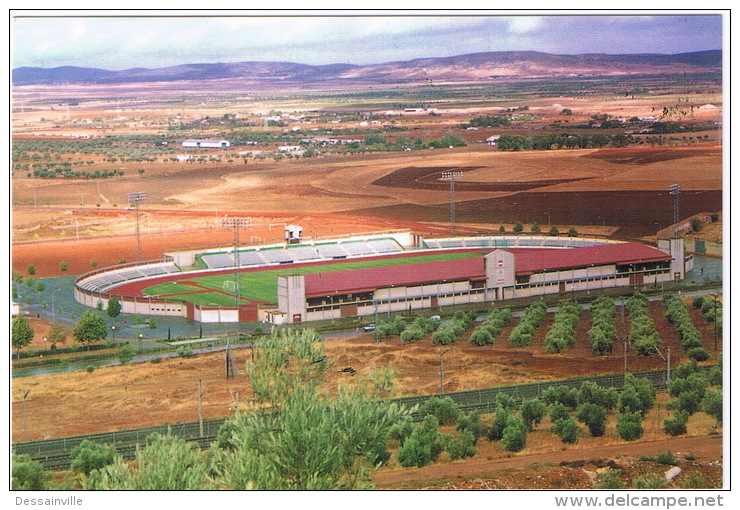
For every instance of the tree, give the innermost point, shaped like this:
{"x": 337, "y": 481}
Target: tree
{"x": 536, "y": 228}
{"x": 114, "y": 308}
{"x": 89, "y": 455}
{"x": 567, "y": 430}
{"x": 305, "y": 439}
{"x": 125, "y": 353}
{"x": 629, "y": 426}
{"x": 31, "y": 269}
{"x": 572, "y": 232}
{"x": 712, "y": 404}
{"x": 22, "y": 333}
{"x": 166, "y": 463}
{"x": 518, "y": 227}
{"x": 554, "y": 231}
{"x": 57, "y": 335}
{"x": 514, "y": 437}
{"x": 90, "y": 328}
{"x": 594, "y": 417}
{"x": 532, "y": 412}
{"x": 28, "y": 475}
{"x": 63, "y": 266}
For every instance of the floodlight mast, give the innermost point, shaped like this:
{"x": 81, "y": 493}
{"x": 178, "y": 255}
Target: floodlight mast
{"x": 134, "y": 198}
{"x": 236, "y": 224}
{"x": 675, "y": 191}
{"x": 452, "y": 177}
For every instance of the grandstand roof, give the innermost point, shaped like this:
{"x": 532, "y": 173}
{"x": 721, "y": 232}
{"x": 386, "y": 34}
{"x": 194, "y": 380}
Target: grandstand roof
{"x": 528, "y": 261}
{"x": 370, "y": 279}
{"x": 531, "y": 261}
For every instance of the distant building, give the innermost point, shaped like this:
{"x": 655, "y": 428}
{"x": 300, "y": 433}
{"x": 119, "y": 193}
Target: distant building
{"x": 206, "y": 144}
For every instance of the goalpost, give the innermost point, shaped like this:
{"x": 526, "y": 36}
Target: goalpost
{"x": 231, "y": 286}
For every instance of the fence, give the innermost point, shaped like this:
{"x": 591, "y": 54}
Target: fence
{"x": 54, "y": 453}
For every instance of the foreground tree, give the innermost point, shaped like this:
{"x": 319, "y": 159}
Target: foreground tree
{"x": 165, "y": 463}
{"x": 307, "y": 440}
{"x": 90, "y": 328}
{"x": 22, "y": 333}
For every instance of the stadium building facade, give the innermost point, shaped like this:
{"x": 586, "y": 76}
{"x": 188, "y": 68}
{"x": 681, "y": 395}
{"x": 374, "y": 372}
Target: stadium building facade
{"x": 501, "y": 274}
{"x": 508, "y": 267}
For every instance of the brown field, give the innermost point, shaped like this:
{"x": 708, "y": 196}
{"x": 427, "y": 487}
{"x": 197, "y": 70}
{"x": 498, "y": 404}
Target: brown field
{"x": 621, "y": 192}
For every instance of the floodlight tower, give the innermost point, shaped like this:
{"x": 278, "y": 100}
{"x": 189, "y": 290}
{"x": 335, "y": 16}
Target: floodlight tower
{"x": 236, "y": 224}
{"x": 134, "y": 199}
{"x": 675, "y": 191}
{"x": 452, "y": 178}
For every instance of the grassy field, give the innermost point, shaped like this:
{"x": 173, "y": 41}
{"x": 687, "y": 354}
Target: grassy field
{"x": 262, "y": 285}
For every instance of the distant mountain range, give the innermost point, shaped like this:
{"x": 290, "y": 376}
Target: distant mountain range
{"x": 476, "y": 66}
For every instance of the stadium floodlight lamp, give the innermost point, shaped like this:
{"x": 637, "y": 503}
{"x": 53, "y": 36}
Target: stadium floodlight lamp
{"x": 452, "y": 177}
{"x": 134, "y": 198}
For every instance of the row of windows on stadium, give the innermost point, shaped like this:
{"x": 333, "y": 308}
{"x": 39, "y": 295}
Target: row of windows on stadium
{"x": 317, "y": 304}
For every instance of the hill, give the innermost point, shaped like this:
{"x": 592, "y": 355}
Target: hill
{"x": 475, "y": 66}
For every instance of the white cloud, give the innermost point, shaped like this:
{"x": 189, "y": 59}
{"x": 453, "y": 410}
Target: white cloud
{"x": 524, "y": 24}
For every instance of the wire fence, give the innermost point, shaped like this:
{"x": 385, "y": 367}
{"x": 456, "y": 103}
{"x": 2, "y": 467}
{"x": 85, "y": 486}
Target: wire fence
{"x": 54, "y": 453}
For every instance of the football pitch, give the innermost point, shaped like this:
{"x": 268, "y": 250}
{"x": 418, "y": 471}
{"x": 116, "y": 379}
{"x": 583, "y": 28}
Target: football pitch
{"x": 261, "y": 285}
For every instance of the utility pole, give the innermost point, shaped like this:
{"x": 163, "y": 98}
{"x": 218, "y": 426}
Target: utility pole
{"x": 442, "y": 352}
{"x": 200, "y": 407}
{"x": 25, "y": 428}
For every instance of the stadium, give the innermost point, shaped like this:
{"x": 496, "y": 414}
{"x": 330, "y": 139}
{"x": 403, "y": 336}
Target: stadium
{"x": 303, "y": 280}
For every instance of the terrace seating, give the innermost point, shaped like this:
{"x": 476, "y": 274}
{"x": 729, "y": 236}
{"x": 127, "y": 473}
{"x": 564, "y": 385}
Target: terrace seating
{"x": 300, "y": 253}
{"x": 250, "y": 258}
{"x": 331, "y": 251}
{"x": 384, "y": 246}
{"x": 356, "y": 248}
{"x": 277, "y": 256}
{"x": 218, "y": 260}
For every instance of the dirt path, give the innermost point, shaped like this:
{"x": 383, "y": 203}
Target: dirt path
{"x": 704, "y": 447}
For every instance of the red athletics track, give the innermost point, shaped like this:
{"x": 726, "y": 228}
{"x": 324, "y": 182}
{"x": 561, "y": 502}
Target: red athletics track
{"x": 135, "y": 289}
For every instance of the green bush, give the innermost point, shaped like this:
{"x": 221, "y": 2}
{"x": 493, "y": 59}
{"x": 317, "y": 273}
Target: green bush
{"x": 462, "y": 446}
{"x": 532, "y": 412}
{"x": 629, "y": 426}
{"x": 698, "y": 354}
{"x": 666, "y": 458}
{"x": 609, "y": 479}
{"x": 413, "y": 334}
{"x": 500, "y": 419}
{"x": 590, "y": 392}
{"x": 28, "y": 475}
{"x": 480, "y": 337}
{"x": 557, "y": 412}
{"x": 652, "y": 481}
{"x": 567, "y": 430}
{"x": 676, "y": 425}
{"x": 560, "y": 394}
{"x": 444, "y": 409}
{"x": 594, "y": 417}
{"x": 514, "y": 437}
{"x": 89, "y": 455}
{"x": 471, "y": 423}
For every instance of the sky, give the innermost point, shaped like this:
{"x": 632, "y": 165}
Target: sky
{"x": 114, "y": 41}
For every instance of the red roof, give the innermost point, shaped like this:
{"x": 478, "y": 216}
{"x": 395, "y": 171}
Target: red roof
{"x": 370, "y": 279}
{"x": 527, "y": 261}
{"x": 532, "y": 261}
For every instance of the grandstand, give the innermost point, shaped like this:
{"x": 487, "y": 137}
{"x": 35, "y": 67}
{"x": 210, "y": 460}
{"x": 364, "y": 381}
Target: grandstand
{"x": 502, "y": 267}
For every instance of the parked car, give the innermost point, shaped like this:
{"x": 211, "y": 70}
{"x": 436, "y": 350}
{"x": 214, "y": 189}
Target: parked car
{"x": 369, "y": 327}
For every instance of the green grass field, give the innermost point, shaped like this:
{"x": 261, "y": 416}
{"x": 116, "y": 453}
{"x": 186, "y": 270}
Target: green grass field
{"x": 262, "y": 285}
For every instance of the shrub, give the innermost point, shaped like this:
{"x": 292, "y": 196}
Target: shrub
{"x": 462, "y": 446}
{"x": 652, "y": 481}
{"x": 481, "y": 336}
{"x": 532, "y": 412}
{"x": 415, "y": 453}
{"x": 712, "y": 404}
{"x": 500, "y": 419}
{"x": 560, "y": 394}
{"x": 444, "y": 409}
{"x": 609, "y": 479}
{"x": 514, "y": 437}
{"x": 401, "y": 430}
{"x": 413, "y": 334}
{"x": 666, "y": 458}
{"x": 698, "y": 354}
{"x": 676, "y": 425}
{"x": 522, "y": 334}
{"x": 561, "y": 334}
{"x": 558, "y": 412}
{"x": 28, "y": 475}
{"x": 567, "y": 430}
{"x": 594, "y": 417}
{"x": 471, "y": 423}
{"x": 89, "y": 455}
{"x": 629, "y": 426}
{"x": 590, "y": 392}
{"x": 125, "y": 353}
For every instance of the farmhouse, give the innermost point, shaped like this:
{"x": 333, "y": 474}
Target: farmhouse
{"x": 501, "y": 274}
{"x": 206, "y": 144}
